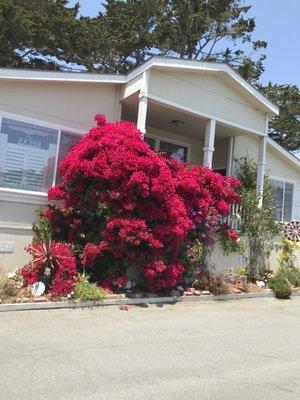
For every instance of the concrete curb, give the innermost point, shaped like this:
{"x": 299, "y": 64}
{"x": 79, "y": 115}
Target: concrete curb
{"x": 119, "y": 302}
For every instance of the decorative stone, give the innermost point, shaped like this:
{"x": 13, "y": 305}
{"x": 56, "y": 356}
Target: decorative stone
{"x": 236, "y": 291}
{"x": 40, "y": 299}
{"x": 180, "y": 288}
{"x": 19, "y": 300}
{"x": 197, "y": 293}
{"x": 122, "y": 296}
{"x": 37, "y": 289}
{"x": 186, "y": 294}
{"x": 261, "y": 284}
{"x": 25, "y": 300}
{"x": 205, "y": 292}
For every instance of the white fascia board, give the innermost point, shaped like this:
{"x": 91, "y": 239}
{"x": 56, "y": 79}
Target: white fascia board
{"x": 23, "y": 196}
{"x": 271, "y": 143}
{"x": 53, "y": 76}
{"x": 197, "y": 65}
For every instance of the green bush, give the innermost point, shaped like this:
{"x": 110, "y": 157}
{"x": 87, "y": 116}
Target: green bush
{"x": 87, "y": 291}
{"x": 291, "y": 274}
{"x": 280, "y": 286}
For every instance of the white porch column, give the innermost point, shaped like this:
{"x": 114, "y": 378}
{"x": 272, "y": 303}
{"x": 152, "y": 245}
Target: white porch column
{"x": 261, "y": 165}
{"x": 142, "y": 114}
{"x": 209, "y": 144}
{"x": 143, "y": 104}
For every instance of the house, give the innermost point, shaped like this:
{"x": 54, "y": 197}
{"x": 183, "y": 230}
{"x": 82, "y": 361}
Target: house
{"x": 203, "y": 112}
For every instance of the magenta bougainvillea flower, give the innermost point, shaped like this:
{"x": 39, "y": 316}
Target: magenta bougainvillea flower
{"x": 121, "y": 204}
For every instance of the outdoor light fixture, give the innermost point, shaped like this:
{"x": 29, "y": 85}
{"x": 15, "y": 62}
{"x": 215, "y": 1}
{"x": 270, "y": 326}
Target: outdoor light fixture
{"x": 177, "y": 122}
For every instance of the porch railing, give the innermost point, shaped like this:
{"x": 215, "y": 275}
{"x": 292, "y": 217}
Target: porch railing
{"x": 233, "y": 220}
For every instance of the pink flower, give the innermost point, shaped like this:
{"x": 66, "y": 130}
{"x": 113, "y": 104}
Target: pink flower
{"x": 100, "y": 119}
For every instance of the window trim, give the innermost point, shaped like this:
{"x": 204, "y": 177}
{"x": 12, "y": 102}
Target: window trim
{"x": 292, "y": 182}
{"x": 28, "y": 196}
{"x": 158, "y": 139}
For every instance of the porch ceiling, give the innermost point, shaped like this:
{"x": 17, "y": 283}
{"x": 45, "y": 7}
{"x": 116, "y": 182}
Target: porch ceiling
{"x": 161, "y": 117}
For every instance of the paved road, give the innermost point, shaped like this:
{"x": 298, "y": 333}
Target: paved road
{"x": 246, "y": 350}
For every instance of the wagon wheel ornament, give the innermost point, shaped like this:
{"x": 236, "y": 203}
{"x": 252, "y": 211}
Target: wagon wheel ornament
{"x": 292, "y": 231}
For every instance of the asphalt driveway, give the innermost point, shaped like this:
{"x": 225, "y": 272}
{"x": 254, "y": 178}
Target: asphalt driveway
{"x": 246, "y": 349}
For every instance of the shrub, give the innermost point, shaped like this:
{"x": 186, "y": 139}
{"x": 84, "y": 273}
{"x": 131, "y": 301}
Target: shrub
{"x": 214, "y": 283}
{"x": 120, "y": 204}
{"x": 280, "y": 286}
{"x": 86, "y": 291}
{"x": 53, "y": 261}
{"x": 8, "y": 288}
{"x": 291, "y": 274}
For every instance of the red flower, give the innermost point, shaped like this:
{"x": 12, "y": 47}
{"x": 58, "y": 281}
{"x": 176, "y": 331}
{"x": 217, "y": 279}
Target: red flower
{"x": 233, "y": 235}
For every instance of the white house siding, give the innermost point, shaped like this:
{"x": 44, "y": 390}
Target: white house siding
{"x": 15, "y": 223}
{"x": 63, "y": 103}
{"x": 208, "y": 94}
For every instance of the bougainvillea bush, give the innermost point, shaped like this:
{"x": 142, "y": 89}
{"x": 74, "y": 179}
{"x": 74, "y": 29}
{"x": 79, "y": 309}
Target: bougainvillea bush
{"x": 120, "y": 204}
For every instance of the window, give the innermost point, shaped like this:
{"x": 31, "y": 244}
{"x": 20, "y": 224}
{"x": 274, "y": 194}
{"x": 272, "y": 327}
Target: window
{"x": 67, "y": 140}
{"x": 173, "y": 151}
{"x": 28, "y": 154}
{"x": 150, "y": 141}
{"x": 282, "y": 199}
{"x": 221, "y": 171}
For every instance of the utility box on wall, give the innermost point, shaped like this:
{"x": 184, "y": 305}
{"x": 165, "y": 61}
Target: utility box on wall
{"x": 7, "y": 247}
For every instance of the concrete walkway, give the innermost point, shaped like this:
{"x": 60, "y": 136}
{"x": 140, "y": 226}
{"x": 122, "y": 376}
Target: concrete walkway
{"x": 246, "y": 349}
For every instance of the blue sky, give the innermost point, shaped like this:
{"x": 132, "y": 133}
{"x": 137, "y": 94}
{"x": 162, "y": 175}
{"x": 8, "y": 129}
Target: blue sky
{"x": 277, "y": 22}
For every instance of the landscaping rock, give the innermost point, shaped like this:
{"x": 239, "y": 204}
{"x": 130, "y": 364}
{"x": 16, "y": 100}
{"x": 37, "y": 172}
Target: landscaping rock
{"x": 40, "y": 299}
{"x": 205, "y": 292}
{"x": 197, "y": 293}
{"x": 180, "y": 288}
{"x": 185, "y": 294}
{"x": 25, "y": 300}
{"x": 236, "y": 290}
{"x": 122, "y": 296}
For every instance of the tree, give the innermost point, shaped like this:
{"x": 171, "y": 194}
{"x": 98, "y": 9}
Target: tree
{"x": 45, "y": 34}
{"x": 49, "y": 34}
{"x": 285, "y": 128}
{"x": 258, "y": 224}
{"x": 191, "y": 29}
